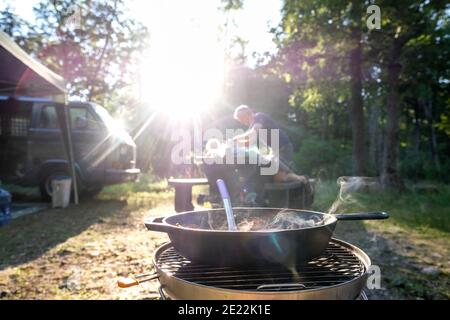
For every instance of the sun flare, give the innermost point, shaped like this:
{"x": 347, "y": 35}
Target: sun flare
{"x": 183, "y": 71}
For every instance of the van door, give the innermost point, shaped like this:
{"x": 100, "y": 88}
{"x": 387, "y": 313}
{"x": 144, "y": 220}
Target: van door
{"x": 15, "y": 119}
{"x": 46, "y": 143}
{"x": 89, "y": 137}
{"x": 45, "y": 140}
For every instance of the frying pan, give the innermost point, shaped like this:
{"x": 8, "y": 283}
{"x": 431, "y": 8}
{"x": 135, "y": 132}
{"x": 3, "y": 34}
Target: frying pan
{"x": 194, "y": 235}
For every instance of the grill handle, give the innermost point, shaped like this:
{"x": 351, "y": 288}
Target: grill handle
{"x": 156, "y": 224}
{"x": 281, "y": 286}
{"x": 134, "y": 281}
{"x": 362, "y": 216}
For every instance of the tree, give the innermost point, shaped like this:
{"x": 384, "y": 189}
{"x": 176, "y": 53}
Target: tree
{"x": 400, "y": 29}
{"x": 96, "y": 57}
{"x": 321, "y": 46}
{"x": 356, "y": 100}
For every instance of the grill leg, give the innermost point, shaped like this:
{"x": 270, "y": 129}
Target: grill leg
{"x": 161, "y": 293}
{"x": 363, "y": 296}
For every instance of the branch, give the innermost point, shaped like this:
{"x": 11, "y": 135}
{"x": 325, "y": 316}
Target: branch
{"x": 102, "y": 54}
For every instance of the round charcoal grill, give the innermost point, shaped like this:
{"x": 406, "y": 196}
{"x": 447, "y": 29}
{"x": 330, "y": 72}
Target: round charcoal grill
{"x": 339, "y": 273}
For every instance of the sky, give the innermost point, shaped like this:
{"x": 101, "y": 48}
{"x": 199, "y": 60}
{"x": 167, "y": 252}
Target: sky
{"x": 184, "y": 49}
{"x": 252, "y": 20}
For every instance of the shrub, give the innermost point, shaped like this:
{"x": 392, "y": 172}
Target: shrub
{"x": 326, "y": 159}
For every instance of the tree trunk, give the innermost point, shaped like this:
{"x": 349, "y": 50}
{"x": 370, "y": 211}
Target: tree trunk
{"x": 433, "y": 142}
{"x": 356, "y": 102}
{"x": 417, "y": 128}
{"x": 375, "y": 138}
{"x": 324, "y": 124}
{"x": 389, "y": 176}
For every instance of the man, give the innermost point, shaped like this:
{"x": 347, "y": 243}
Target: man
{"x": 257, "y": 121}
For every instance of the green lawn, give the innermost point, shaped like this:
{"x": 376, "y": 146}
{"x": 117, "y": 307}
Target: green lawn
{"x": 104, "y": 238}
{"x": 429, "y": 211}
{"x": 411, "y": 247}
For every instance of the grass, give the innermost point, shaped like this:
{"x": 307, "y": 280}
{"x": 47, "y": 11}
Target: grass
{"x": 146, "y": 191}
{"x": 146, "y": 183}
{"x": 414, "y": 239}
{"x": 79, "y": 252}
{"x": 20, "y": 193}
{"x": 429, "y": 212}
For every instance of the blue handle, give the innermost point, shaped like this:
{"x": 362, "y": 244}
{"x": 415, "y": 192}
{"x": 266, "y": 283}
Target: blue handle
{"x": 227, "y": 204}
{"x": 222, "y": 189}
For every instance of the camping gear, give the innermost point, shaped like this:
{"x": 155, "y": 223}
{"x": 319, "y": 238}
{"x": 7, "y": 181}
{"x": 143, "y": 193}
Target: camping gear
{"x": 61, "y": 192}
{"x": 227, "y": 204}
{"x": 340, "y": 273}
{"x": 5, "y": 207}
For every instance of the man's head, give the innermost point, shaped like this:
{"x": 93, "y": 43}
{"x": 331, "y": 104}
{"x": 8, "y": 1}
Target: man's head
{"x": 244, "y": 115}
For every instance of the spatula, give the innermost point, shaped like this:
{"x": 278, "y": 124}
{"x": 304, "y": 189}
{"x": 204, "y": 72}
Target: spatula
{"x": 226, "y": 204}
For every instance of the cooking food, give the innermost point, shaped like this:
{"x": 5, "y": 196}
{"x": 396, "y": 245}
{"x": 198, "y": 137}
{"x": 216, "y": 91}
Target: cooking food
{"x": 283, "y": 220}
{"x": 266, "y": 235}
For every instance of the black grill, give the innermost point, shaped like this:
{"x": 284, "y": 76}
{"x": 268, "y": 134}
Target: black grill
{"x": 337, "y": 265}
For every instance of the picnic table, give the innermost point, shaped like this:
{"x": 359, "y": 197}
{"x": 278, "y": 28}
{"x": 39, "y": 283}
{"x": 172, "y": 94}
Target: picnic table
{"x": 183, "y": 192}
{"x": 277, "y": 194}
{"x": 292, "y": 194}
{"x": 239, "y": 176}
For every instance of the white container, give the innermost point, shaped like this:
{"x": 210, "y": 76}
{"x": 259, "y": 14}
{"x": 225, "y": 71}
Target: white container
{"x": 61, "y": 192}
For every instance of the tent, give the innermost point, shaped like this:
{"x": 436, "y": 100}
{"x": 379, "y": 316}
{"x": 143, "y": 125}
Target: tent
{"x": 21, "y": 75}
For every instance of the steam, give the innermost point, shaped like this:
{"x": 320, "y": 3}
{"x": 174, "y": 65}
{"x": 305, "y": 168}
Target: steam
{"x": 283, "y": 220}
{"x": 292, "y": 220}
{"x": 350, "y": 185}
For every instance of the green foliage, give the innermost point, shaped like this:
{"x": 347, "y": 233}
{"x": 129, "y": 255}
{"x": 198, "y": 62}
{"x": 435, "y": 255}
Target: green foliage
{"x": 96, "y": 51}
{"x": 232, "y": 4}
{"x": 315, "y": 39}
{"x": 323, "y": 158}
{"x": 418, "y": 165}
{"x": 420, "y": 210}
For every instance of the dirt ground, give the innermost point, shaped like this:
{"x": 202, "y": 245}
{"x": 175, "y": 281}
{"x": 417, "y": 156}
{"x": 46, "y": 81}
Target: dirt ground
{"x": 413, "y": 265}
{"x": 80, "y": 252}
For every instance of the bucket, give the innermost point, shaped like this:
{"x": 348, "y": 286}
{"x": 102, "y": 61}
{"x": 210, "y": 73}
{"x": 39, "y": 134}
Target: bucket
{"x": 61, "y": 192}
{"x": 5, "y": 207}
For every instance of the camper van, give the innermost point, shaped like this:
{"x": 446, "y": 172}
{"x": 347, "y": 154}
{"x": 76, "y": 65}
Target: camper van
{"x": 32, "y": 151}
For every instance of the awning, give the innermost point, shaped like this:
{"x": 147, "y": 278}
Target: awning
{"x": 21, "y": 75}
{"x": 24, "y": 76}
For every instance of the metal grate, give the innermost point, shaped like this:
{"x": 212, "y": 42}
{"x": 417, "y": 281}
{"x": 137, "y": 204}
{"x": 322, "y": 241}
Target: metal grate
{"x": 337, "y": 265}
{"x": 14, "y": 126}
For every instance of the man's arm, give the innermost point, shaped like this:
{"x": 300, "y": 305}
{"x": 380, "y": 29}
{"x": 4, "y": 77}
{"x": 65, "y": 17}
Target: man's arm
{"x": 245, "y": 137}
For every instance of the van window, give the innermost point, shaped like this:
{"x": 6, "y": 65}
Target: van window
{"x": 19, "y": 126}
{"x": 14, "y": 126}
{"x": 49, "y": 118}
{"x": 82, "y": 119}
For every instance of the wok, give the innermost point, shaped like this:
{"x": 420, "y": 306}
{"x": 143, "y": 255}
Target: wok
{"x": 202, "y": 237}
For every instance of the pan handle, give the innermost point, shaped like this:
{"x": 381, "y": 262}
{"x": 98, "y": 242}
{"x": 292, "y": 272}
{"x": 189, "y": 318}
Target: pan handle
{"x": 156, "y": 224}
{"x": 362, "y": 216}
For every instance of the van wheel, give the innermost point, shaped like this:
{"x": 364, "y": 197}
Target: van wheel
{"x": 45, "y": 182}
{"x": 92, "y": 191}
